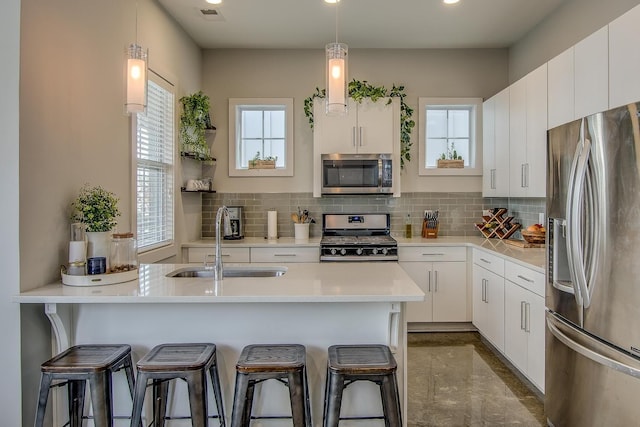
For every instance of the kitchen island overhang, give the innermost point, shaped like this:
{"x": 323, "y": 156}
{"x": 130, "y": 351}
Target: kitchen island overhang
{"x": 316, "y": 304}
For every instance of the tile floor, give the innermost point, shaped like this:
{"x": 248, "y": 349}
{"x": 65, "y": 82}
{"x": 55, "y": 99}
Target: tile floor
{"x": 456, "y": 380}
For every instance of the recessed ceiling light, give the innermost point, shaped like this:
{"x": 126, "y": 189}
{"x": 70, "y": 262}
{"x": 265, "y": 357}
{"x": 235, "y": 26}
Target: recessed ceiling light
{"x": 214, "y": 1}
{"x": 331, "y": 1}
{"x": 450, "y": 1}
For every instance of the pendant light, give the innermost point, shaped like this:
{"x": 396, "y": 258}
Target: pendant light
{"x": 136, "y": 79}
{"x": 336, "y": 71}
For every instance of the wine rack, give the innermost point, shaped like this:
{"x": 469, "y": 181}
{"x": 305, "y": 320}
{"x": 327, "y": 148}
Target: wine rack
{"x": 496, "y": 225}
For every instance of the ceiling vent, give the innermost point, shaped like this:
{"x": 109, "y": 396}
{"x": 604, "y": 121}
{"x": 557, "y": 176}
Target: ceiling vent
{"x": 211, "y": 14}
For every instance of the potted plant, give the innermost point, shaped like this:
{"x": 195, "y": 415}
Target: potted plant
{"x": 268, "y": 162}
{"x": 97, "y": 209}
{"x": 451, "y": 159}
{"x": 194, "y": 121}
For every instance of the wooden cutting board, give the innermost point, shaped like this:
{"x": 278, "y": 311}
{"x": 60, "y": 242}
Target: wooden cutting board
{"x": 522, "y": 243}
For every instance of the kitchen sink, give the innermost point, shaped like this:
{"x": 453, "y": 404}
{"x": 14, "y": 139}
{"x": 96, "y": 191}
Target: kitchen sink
{"x": 244, "y": 271}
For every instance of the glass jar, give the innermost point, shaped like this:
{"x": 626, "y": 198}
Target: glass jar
{"x": 123, "y": 255}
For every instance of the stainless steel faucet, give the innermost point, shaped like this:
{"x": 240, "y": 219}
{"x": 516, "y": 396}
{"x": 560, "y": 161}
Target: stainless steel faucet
{"x": 222, "y": 214}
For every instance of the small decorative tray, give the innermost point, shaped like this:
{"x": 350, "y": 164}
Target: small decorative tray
{"x": 97, "y": 279}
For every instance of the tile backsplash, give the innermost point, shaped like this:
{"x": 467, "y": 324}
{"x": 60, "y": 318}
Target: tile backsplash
{"x": 457, "y": 211}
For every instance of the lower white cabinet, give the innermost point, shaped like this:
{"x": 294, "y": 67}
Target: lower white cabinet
{"x": 488, "y": 305}
{"x": 524, "y": 322}
{"x": 197, "y": 255}
{"x": 444, "y": 283}
{"x": 286, "y": 254}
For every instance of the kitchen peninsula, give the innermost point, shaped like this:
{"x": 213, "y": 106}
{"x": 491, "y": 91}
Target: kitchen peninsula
{"x": 314, "y": 304}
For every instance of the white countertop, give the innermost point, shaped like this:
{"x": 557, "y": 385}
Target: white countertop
{"x": 312, "y": 282}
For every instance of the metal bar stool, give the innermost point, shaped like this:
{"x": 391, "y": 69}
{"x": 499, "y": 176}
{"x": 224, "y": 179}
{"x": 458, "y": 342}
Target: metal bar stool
{"x": 77, "y": 365}
{"x": 189, "y": 362}
{"x": 350, "y": 363}
{"x": 285, "y": 363}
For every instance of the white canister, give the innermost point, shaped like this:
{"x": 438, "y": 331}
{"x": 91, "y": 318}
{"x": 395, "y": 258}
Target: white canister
{"x": 301, "y": 231}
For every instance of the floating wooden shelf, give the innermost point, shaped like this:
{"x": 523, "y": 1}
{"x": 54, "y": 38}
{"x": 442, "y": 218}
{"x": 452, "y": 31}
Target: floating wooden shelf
{"x": 496, "y": 225}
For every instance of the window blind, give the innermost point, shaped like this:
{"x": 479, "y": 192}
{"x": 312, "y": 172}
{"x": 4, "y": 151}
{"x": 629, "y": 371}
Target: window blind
{"x": 154, "y": 170}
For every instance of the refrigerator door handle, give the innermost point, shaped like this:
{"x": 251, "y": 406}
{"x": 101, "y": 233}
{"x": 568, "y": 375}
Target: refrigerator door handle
{"x": 599, "y": 352}
{"x": 576, "y": 228}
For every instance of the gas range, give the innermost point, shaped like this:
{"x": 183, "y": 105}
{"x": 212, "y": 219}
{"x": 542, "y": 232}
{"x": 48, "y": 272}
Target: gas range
{"x": 357, "y": 237}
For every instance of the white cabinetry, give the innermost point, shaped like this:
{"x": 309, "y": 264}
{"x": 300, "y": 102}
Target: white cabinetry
{"x": 578, "y": 80}
{"x": 488, "y": 297}
{"x": 441, "y": 273}
{"x": 495, "y": 145}
{"x": 524, "y": 342}
{"x": 528, "y": 134}
{"x": 367, "y": 128}
{"x": 624, "y": 59}
{"x": 285, "y": 254}
{"x": 228, "y": 254}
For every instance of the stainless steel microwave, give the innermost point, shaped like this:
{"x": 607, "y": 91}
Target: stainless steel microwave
{"x": 357, "y": 174}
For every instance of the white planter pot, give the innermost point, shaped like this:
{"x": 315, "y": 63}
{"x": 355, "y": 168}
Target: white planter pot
{"x": 98, "y": 243}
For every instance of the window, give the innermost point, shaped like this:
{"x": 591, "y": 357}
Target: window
{"x": 154, "y": 167}
{"x": 449, "y": 127}
{"x": 260, "y": 128}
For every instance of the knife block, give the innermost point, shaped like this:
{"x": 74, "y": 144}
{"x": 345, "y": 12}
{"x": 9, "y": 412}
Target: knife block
{"x": 429, "y": 233}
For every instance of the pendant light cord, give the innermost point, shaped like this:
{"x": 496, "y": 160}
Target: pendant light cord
{"x": 337, "y": 3}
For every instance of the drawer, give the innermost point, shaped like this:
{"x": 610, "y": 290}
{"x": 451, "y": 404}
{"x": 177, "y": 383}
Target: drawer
{"x": 525, "y": 277}
{"x": 489, "y": 261}
{"x": 432, "y": 253}
{"x": 228, "y": 254}
{"x": 286, "y": 254}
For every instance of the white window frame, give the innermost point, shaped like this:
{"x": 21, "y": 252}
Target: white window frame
{"x": 475, "y": 147}
{"x": 234, "y": 124}
{"x": 162, "y": 250}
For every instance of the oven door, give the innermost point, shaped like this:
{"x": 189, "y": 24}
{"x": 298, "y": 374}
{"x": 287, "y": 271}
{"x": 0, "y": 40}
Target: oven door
{"x": 356, "y": 174}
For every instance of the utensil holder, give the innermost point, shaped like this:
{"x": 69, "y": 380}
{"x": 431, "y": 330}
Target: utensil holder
{"x": 429, "y": 233}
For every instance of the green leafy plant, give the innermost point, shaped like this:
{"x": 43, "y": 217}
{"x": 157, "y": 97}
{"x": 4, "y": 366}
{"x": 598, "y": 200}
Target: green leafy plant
{"x": 451, "y": 153}
{"x": 257, "y": 158}
{"x": 95, "y": 207}
{"x": 194, "y": 120}
{"x": 359, "y": 90}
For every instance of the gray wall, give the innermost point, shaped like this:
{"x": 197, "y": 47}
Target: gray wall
{"x": 570, "y": 23}
{"x": 232, "y": 73}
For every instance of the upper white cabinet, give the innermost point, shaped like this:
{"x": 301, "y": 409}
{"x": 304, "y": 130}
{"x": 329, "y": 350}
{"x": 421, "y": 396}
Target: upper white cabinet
{"x": 624, "y": 59}
{"x": 367, "y": 128}
{"x": 528, "y": 135}
{"x": 495, "y": 145}
{"x": 578, "y": 80}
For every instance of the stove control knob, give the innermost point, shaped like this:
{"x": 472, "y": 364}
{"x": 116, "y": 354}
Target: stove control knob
{"x": 359, "y": 251}
{"x": 343, "y": 251}
{"x": 374, "y": 251}
{"x": 333, "y": 251}
{"x": 384, "y": 251}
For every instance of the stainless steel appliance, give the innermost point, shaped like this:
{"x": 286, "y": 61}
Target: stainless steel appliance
{"x": 357, "y": 174}
{"x": 357, "y": 237}
{"x": 593, "y": 271}
{"x": 236, "y": 222}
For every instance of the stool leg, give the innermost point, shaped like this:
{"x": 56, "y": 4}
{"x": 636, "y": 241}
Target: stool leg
{"x": 333, "y": 399}
{"x": 138, "y": 400}
{"x": 160, "y": 397}
{"x": 390, "y": 401}
{"x": 43, "y": 396}
{"x": 128, "y": 370}
{"x": 215, "y": 382}
{"x": 75, "y": 393}
{"x": 197, "y": 385}
{"x": 297, "y": 398}
{"x": 307, "y": 396}
{"x": 240, "y": 401}
{"x": 100, "y": 388}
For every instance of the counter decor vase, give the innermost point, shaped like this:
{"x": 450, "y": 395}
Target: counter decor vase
{"x": 301, "y": 231}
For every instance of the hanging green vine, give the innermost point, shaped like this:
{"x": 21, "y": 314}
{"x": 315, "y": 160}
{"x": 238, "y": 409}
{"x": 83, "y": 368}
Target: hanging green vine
{"x": 359, "y": 90}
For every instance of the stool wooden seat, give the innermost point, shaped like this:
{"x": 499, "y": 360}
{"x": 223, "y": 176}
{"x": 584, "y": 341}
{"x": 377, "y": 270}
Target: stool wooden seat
{"x": 77, "y": 365}
{"x": 190, "y": 362}
{"x": 350, "y": 363}
{"x": 283, "y": 362}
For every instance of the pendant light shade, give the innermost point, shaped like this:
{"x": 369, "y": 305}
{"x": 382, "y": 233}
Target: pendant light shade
{"x": 337, "y": 93}
{"x": 136, "y": 97}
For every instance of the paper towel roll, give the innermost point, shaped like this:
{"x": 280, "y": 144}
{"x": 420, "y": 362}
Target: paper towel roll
{"x": 77, "y": 251}
{"x": 272, "y": 224}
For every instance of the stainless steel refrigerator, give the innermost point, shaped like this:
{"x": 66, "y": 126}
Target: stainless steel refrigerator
{"x": 593, "y": 271}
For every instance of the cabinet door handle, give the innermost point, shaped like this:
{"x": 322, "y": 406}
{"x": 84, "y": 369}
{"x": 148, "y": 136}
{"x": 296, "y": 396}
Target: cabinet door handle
{"x": 526, "y": 175}
{"x": 523, "y": 321}
{"x": 493, "y": 179}
{"x": 525, "y": 279}
{"x": 360, "y": 136}
{"x": 353, "y": 136}
{"x": 284, "y": 255}
{"x": 522, "y": 175}
{"x": 486, "y": 291}
{"x": 486, "y": 261}
{"x": 527, "y": 321}
{"x": 429, "y": 281}
{"x": 432, "y": 254}
{"x": 436, "y": 281}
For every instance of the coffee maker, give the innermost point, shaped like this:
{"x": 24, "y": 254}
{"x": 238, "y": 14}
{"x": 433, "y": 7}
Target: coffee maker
{"x": 237, "y": 225}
